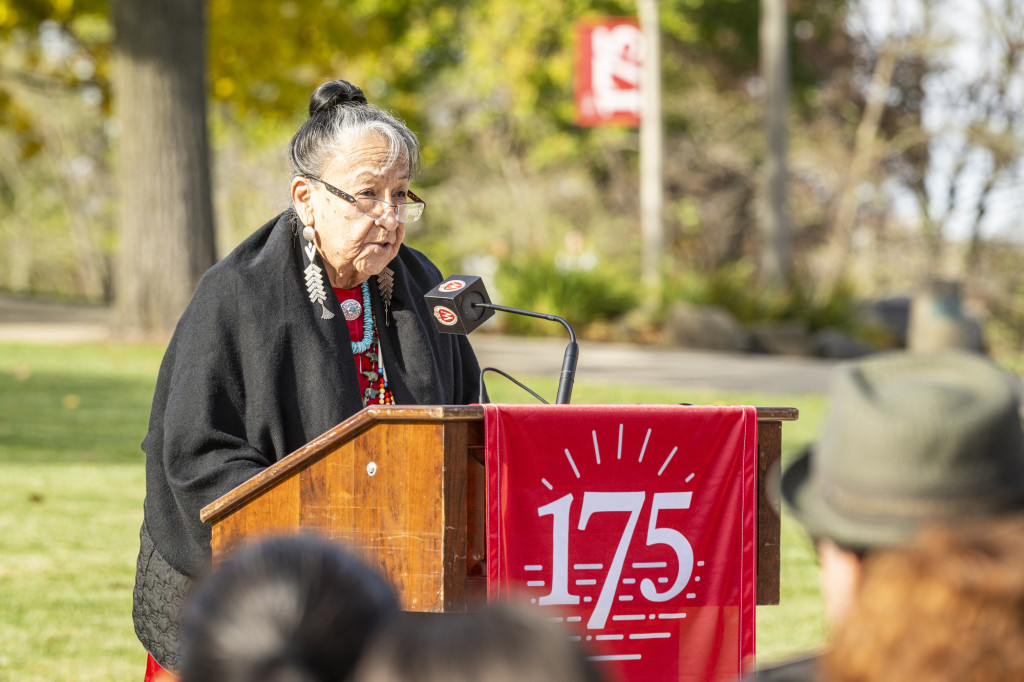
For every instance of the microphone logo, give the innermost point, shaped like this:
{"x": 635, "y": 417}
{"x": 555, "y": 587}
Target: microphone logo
{"x": 451, "y": 285}
{"x": 445, "y": 316}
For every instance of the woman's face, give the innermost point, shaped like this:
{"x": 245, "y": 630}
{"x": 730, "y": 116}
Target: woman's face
{"x": 354, "y": 246}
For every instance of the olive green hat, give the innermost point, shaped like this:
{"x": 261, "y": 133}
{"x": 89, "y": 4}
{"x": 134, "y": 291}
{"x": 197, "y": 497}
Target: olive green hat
{"x": 909, "y": 438}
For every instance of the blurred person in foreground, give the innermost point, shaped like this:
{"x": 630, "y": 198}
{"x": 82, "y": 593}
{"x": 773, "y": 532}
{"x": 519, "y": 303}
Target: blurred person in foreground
{"x": 949, "y": 609}
{"x": 317, "y": 314}
{"x": 909, "y": 439}
{"x": 497, "y": 643}
{"x": 289, "y": 609}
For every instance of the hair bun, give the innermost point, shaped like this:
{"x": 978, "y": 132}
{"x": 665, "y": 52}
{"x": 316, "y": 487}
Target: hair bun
{"x": 336, "y": 93}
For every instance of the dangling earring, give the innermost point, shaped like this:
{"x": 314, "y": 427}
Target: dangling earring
{"x": 386, "y": 284}
{"x": 314, "y": 275}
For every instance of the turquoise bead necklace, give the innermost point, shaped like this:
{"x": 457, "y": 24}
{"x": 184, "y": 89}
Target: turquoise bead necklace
{"x": 364, "y": 345}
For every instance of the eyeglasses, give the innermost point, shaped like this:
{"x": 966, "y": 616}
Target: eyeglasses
{"x": 408, "y": 212}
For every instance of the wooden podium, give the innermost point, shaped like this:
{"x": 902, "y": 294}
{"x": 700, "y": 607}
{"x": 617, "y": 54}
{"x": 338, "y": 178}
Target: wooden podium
{"x": 404, "y": 487}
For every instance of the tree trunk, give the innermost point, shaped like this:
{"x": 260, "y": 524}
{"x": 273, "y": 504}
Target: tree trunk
{"x": 864, "y": 156}
{"x": 775, "y": 72}
{"x": 651, "y": 165}
{"x": 165, "y": 211}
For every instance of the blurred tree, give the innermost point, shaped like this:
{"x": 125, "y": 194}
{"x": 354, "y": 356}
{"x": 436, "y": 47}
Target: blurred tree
{"x": 70, "y": 52}
{"x": 166, "y": 236}
{"x": 267, "y": 56}
{"x": 488, "y": 85}
{"x": 509, "y": 101}
{"x": 166, "y": 220}
{"x": 979, "y": 87}
{"x": 939, "y": 126}
{"x": 52, "y": 85}
{"x": 775, "y": 72}
{"x": 165, "y": 208}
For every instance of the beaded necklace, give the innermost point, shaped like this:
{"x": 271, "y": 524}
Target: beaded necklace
{"x": 369, "y": 358}
{"x": 382, "y": 393}
{"x": 368, "y": 325}
{"x": 377, "y": 389}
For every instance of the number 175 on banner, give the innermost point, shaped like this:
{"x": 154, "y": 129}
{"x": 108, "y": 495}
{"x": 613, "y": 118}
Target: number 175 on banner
{"x": 626, "y": 503}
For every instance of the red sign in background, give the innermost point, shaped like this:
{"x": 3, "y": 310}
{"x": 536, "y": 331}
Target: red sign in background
{"x": 634, "y": 526}
{"x": 609, "y": 61}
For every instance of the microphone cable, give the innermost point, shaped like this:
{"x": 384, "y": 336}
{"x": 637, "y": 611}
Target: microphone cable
{"x": 483, "y": 388}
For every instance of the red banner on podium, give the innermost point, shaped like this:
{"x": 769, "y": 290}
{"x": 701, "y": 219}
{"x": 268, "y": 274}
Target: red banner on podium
{"x": 635, "y": 526}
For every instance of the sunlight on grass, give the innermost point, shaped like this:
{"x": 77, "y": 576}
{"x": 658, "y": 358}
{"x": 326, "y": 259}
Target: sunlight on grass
{"x": 75, "y": 403}
{"x": 72, "y": 483}
{"x": 68, "y": 540}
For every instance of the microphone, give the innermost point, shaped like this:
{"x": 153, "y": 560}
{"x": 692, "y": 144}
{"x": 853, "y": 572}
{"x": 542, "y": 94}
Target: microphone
{"x": 460, "y": 304}
{"x": 453, "y": 304}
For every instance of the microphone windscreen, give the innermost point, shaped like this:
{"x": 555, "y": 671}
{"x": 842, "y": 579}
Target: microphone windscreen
{"x": 451, "y": 304}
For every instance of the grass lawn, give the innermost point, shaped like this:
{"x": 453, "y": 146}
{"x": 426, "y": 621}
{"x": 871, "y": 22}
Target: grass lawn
{"x": 72, "y": 485}
{"x": 71, "y": 490}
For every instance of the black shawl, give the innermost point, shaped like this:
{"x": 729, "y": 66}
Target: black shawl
{"x": 253, "y": 372}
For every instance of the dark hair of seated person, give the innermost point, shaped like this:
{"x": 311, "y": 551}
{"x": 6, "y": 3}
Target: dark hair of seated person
{"x": 497, "y": 643}
{"x": 289, "y": 609}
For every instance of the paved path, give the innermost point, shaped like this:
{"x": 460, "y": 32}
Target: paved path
{"x": 30, "y": 320}
{"x": 644, "y": 365}
{"x": 38, "y": 322}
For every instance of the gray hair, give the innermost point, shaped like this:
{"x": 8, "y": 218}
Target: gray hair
{"x": 338, "y": 110}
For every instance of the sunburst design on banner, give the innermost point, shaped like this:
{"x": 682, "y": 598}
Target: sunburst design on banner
{"x": 627, "y": 584}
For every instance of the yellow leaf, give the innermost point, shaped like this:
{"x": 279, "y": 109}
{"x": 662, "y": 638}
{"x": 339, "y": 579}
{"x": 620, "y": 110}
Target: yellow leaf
{"x": 224, "y": 87}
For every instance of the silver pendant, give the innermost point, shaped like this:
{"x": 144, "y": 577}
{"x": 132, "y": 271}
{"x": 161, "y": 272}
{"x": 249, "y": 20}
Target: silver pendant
{"x": 351, "y": 309}
{"x": 315, "y": 283}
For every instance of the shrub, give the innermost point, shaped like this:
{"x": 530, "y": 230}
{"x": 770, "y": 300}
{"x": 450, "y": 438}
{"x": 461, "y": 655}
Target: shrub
{"x": 582, "y": 296}
{"x": 735, "y": 288}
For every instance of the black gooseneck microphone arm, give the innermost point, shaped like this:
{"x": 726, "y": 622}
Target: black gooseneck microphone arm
{"x": 572, "y": 350}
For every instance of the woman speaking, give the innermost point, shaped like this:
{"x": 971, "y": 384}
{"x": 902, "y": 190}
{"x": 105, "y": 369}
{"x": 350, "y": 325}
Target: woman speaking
{"x": 315, "y": 315}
